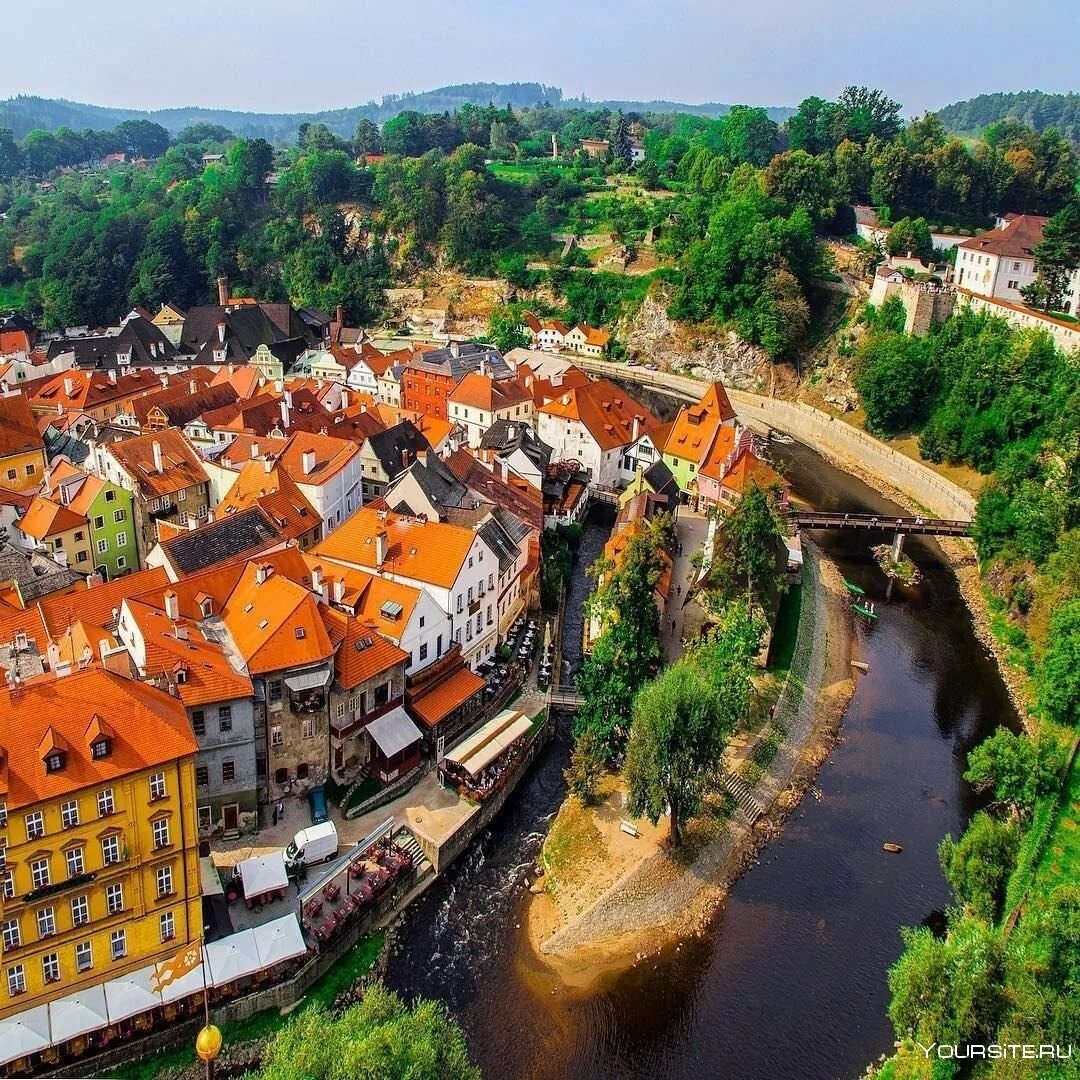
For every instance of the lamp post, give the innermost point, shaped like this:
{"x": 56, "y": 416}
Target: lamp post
{"x": 208, "y": 1046}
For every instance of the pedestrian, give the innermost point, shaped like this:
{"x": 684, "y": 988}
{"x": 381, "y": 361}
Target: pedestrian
{"x": 678, "y": 590}
{"x": 673, "y": 626}
{"x": 275, "y": 813}
{"x": 281, "y": 809}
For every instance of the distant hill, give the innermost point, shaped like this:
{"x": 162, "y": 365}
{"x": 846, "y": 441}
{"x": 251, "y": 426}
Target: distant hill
{"x": 24, "y": 114}
{"x": 1032, "y": 107}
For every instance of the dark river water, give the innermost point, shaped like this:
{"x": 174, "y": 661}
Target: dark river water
{"x": 789, "y": 981}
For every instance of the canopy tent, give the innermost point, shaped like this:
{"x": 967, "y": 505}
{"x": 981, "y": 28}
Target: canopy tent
{"x": 279, "y": 940}
{"x": 485, "y": 745}
{"x": 232, "y": 957}
{"x": 24, "y": 1033}
{"x": 78, "y": 1013}
{"x": 131, "y": 994}
{"x": 262, "y": 874}
{"x": 309, "y": 680}
{"x": 394, "y": 731}
{"x": 190, "y": 983}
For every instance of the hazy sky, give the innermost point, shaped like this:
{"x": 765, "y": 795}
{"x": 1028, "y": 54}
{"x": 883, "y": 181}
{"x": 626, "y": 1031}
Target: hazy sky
{"x": 292, "y": 55}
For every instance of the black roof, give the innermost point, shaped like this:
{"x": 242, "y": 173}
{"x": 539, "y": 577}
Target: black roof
{"x": 495, "y": 536}
{"x": 437, "y": 482}
{"x": 36, "y": 574}
{"x": 146, "y": 344}
{"x": 505, "y": 436}
{"x": 396, "y": 447}
{"x": 221, "y": 540}
{"x": 459, "y": 359}
{"x": 251, "y": 325}
{"x": 659, "y": 477}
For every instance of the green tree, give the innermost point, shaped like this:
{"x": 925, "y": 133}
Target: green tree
{"x": 800, "y": 179}
{"x": 142, "y": 138}
{"x": 505, "y": 329}
{"x": 586, "y": 766}
{"x": 895, "y": 379}
{"x": 977, "y": 865}
{"x": 367, "y": 139}
{"x": 677, "y": 740}
{"x": 1059, "y": 679}
{"x": 11, "y": 161}
{"x": 1057, "y": 255}
{"x": 911, "y": 236}
{"x": 379, "y": 1037}
{"x": 1019, "y": 769}
{"x": 747, "y": 546}
{"x": 619, "y": 140}
{"x": 811, "y": 128}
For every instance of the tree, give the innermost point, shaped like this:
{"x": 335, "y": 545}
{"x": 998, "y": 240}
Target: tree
{"x": 1057, "y": 255}
{"x": 505, "y": 330}
{"x": 747, "y": 545}
{"x": 367, "y": 139}
{"x": 586, "y": 766}
{"x": 380, "y": 1036}
{"x": 677, "y": 739}
{"x": 911, "y": 236}
{"x": 862, "y": 112}
{"x": 895, "y": 381}
{"x": 619, "y": 140}
{"x": 142, "y": 138}
{"x": 811, "y": 128}
{"x": 977, "y": 865}
{"x": 801, "y": 179}
{"x": 1059, "y": 680}
{"x": 203, "y": 132}
{"x": 1019, "y": 769}
{"x": 11, "y": 162}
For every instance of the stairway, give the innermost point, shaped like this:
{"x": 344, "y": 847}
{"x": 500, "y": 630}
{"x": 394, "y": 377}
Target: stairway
{"x": 408, "y": 843}
{"x": 744, "y": 796}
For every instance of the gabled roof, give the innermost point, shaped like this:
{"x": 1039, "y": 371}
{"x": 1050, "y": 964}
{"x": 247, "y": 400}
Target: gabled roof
{"x": 492, "y": 395}
{"x": 458, "y": 359}
{"x": 18, "y": 431}
{"x": 276, "y": 493}
{"x": 34, "y": 574}
{"x": 749, "y": 469}
{"x": 181, "y": 466}
{"x": 1016, "y": 240}
{"x": 331, "y": 456}
{"x": 439, "y": 485}
{"x": 96, "y": 605}
{"x": 606, "y": 411}
{"x": 723, "y": 446}
{"x": 437, "y": 699}
{"x": 693, "y": 430}
{"x": 512, "y": 494}
{"x": 181, "y": 403}
{"x": 362, "y": 653}
{"x": 397, "y": 446}
{"x": 592, "y": 335}
{"x": 149, "y": 728}
{"x": 46, "y": 518}
{"x": 432, "y": 552}
{"x": 385, "y": 605}
{"x": 137, "y": 342}
{"x": 242, "y": 534}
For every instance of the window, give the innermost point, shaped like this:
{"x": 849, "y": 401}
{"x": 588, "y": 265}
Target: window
{"x": 35, "y": 825}
{"x": 274, "y": 690}
{"x": 105, "y": 803}
{"x": 301, "y": 770}
{"x": 198, "y": 722}
{"x": 382, "y": 695}
{"x": 491, "y": 581}
{"x": 16, "y": 980}
{"x": 202, "y": 776}
{"x": 81, "y": 556}
{"x": 422, "y": 619}
{"x": 40, "y": 873}
{"x": 54, "y": 763}
{"x": 182, "y": 495}
{"x": 80, "y": 911}
{"x": 119, "y": 515}
{"x": 69, "y": 814}
{"x": 228, "y": 772}
{"x": 46, "y": 922}
{"x": 183, "y": 517}
{"x": 110, "y": 850}
{"x": 84, "y": 956}
{"x": 423, "y": 650}
{"x": 9, "y": 883}
{"x": 157, "y": 786}
{"x": 121, "y": 539}
{"x": 78, "y": 537}
{"x": 12, "y": 474}
{"x": 276, "y": 736}
{"x": 3, "y": 815}
{"x": 12, "y": 934}
{"x": 99, "y": 523}
{"x": 121, "y": 562}
{"x": 161, "y": 832}
{"x": 50, "y": 967}
{"x": 224, "y": 715}
{"x": 75, "y": 862}
{"x": 102, "y": 546}
{"x": 118, "y": 944}
{"x": 167, "y": 925}
{"x": 114, "y": 898}
{"x": 339, "y": 709}
{"x": 99, "y": 749}
{"x": 31, "y": 469}
{"x": 307, "y": 728}
{"x": 164, "y": 881}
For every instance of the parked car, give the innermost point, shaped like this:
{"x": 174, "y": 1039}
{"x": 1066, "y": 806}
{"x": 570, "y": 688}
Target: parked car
{"x": 317, "y": 802}
{"x": 314, "y": 845}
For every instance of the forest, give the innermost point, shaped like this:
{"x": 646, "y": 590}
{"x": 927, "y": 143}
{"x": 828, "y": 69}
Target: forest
{"x": 1032, "y": 108}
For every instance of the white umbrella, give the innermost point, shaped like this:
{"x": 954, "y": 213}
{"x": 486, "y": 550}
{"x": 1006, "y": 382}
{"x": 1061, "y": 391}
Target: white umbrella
{"x": 232, "y": 957}
{"x": 131, "y": 994}
{"x": 78, "y": 1013}
{"x": 24, "y": 1033}
{"x": 279, "y": 940}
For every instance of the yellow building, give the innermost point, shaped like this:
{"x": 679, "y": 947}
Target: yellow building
{"x": 22, "y": 451}
{"x": 98, "y": 836}
{"x": 59, "y": 531}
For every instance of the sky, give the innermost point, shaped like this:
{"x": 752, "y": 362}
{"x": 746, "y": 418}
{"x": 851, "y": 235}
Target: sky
{"x": 305, "y": 55}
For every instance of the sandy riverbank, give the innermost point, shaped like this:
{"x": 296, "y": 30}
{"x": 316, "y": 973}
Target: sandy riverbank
{"x": 636, "y": 897}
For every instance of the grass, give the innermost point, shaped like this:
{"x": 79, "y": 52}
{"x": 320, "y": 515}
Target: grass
{"x": 524, "y": 172}
{"x": 1060, "y": 862}
{"x": 573, "y": 844}
{"x": 786, "y": 630}
{"x": 11, "y": 297}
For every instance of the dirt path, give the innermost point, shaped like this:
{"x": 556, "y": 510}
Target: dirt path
{"x": 661, "y": 895}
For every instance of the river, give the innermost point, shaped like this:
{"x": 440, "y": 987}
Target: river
{"x": 789, "y": 981}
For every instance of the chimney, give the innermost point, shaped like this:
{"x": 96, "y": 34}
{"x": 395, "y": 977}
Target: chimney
{"x": 112, "y": 376}
{"x": 421, "y": 457}
{"x": 381, "y": 544}
{"x": 279, "y": 386}
{"x": 566, "y": 399}
{"x": 510, "y": 432}
{"x": 339, "y": 590}
{"x": 268, "y": 464}
{"x": 483, "y": 364}
{"x": 69, "y": 386}
{"x": 309, "y": 462}
{"x": 193, "y": 388}
{"x": 285, "y": 412}
{"x": 164, "y": 380}
{"x": 455, "y": 349}
{"x": 262, "y": 572}
{"x": 158, "y": 464}
{"x": 172, "y": 606}
{"x": 636, "y": 429}
{"x": 254, "y": 449}
{"x": 316, "y": 579}
{"x": 344, "y": 399}
{"x": 191, "y": 524}
{"x": 221, "y": 333}
{"x": 223, "y": 291}
{"x": 339, "y": 315}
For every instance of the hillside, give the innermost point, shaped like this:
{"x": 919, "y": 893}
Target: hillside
{"x": 23, "y": 114}
{"x": 1033, "y": 108}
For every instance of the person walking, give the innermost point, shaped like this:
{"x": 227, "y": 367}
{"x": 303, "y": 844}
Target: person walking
{"x": 275, "y": 813}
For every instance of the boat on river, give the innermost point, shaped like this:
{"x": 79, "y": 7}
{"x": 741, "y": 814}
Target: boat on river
{"x": 894, "y": 849}
{"x": 865, "y": 609}
{"x": 853, "y": 588}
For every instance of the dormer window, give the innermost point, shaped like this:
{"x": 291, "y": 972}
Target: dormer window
{"x": 207, "y": 607}
{"x": 54, "y": 762}
{"x": 99, "y": 749}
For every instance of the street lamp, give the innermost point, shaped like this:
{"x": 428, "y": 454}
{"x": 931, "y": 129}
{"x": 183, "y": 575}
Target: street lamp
{"x": 208, "y": 1046}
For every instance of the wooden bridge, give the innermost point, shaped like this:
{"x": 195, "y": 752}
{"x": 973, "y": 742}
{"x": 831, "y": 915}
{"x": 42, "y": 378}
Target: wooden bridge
{"x": 565, "y": 698}
{"x": 906, "y": 526}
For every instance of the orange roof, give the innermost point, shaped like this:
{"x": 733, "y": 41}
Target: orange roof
{"x": 95, "y": 605}
{"x": 693, "y": 430}
{"x": 79, "y": 642}
{"x": 483, "y": 392}
{"x": 14, "y": 341}
{"x": 207, "y": 674}
{"x": 243, "y": 379}
{"x": 246, "y": 447}
{"x": 429, "y": 551}
{"x": 723, "y": 446}
{"x": 181, "y": 466}
{"x": 89, "y": 389}
{"x": 749, "y": 469}
{"x": 362, "y": 653}
{"x": 18, "y": 430}
{"x": 593, "y": 336}
{"x": 331, "y": 456}
{"x": 150, "y": 729}
{"x": 368, "y": 595}
{"x": 275, "y": 623}
{"x": 607, "y": 411}
{"x": 437, "y": 702}
{"x": 276, "y": 492}
{"x": 46, "y": 518}
{"x": 544, "y": 390}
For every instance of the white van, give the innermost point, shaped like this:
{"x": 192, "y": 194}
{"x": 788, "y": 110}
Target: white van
{"x": 318, "y": 843}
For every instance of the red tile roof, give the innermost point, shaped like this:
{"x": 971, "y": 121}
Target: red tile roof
{"x": 362, "y": 653}
{"x": 181, "y": 466}
{"x": 435, "y": 702}
{"x": 18, "y": 430}
{"x": 1016, "y": 241}
{"x": 606, "y": 410}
